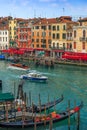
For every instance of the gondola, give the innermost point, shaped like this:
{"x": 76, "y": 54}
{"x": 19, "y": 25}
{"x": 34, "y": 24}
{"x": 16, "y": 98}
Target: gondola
{"x": 38, "y": 108}
{"x": 38, "y": 121}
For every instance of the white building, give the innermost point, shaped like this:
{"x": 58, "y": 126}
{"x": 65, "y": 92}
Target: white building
{"x": 4, "y": 38}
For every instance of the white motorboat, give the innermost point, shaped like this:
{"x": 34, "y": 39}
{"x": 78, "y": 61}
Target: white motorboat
{"x": 34, "y": 77}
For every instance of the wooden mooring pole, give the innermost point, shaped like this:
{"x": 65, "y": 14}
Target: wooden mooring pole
{"x": 35, "y": 126}
{"x": 48, "y": 103}
{"x": 40, "y": 103}
{"x": 30, "y": 98}
{"x": 78, "y": 120}
{"x": 69, "y": 115}
{"x": 50, "y": 123}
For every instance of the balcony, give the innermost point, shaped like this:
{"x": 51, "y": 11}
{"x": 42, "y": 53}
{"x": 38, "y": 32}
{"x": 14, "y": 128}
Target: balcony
{"x": 23, "y": 32}
{"x": 69, "y": 38}
{"x": 83, "y": 39}
{"x": 23, "y": 40}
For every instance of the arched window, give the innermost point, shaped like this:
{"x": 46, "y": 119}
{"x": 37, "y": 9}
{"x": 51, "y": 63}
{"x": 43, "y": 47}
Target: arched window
{"x": 57, "y": 45}
{"x": 84, "y": 33}
{"x": 74, "y": 45}
{"x": 63, "y": 45}
{"x": 53, "y": 44}
{"x": 83, "y": 45}
{"x": 74, "y": 33}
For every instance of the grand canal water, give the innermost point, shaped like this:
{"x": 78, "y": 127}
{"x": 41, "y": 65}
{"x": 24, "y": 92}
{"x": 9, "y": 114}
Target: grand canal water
{"x": 71, "y": 81}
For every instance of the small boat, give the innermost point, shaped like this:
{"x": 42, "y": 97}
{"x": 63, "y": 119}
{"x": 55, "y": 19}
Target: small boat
{"x": 41, "y": 120}
{"x": 34, "y": 76}
{"x": 38, "y": 108}
{"x": 18, "y": 66}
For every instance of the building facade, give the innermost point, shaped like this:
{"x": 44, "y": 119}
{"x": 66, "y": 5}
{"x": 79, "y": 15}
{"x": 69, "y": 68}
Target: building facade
{"x": 23, "y": 33}
{"x": 4, "y": 38}
{"x": 80, "y": 36}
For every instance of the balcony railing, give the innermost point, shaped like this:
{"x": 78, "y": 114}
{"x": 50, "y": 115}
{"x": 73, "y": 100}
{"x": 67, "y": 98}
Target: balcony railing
{"x": 69, "y": 38}
{"x": 83, "y": 39}
{"x": 23, "y": 40}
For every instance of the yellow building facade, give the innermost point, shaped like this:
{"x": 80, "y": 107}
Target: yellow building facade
{"x": 80, "y": 36}
{"x": 12, "y": 30}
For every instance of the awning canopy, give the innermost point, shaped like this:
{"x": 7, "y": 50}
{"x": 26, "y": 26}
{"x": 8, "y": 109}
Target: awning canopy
{"x": 6, "y": 97}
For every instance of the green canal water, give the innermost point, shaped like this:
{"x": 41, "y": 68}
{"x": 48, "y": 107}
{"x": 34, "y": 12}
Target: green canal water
{"x": 71, "y": 81}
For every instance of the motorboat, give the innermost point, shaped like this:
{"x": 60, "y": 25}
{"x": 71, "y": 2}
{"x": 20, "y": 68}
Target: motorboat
{"x": 34, "y": 76}
{"x": 18, "y": 66}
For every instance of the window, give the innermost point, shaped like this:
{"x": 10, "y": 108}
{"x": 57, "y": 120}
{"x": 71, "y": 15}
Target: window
{"x": 32, "y": 33}
{"x": 83, "y": 45}
{"x": 57, "y": 27}
{"x": 53, "y": 35}
{"x": 57, "y": 45}
{"x": 84, "y": 33}
{"x": 57, "y": 36}
{"x": 0, "y": 38}
{"x": 64, "y": 27}
{"x": 38, "y": 34}
{"x": 67, "y": 45}
{"x": 49, "y": 27}
{"x": 64, "y": 45}
{"x": 70, "y": 34}
{"x": 70, "y": 45}
{"x": 14, "y": 28}
{"x": 37, "y": 45}
{"x": 10, "y": 28}
{"x": 6, "y": 39}
{"x": 32, "y": 40}
{"x": 53, "y": 44}
{"x": 67, "y": 34}
{"x": 74, "y": 45}
{"x": 74, "y": 33}
{"x": 3, "y": 39}
{"x": 54, "y": 28}
{"x": 64, "y": 36}
{"x": 37, "y": 27}
{"x": 14, "y": 33}
{"x": 49, "y": 33}
{"x": 49, "y": 41}
{"x": 43, "y": 40}
{"x": 43, "y": 27}
{"x": 37, "y": 40}
{"x": 5, "y": 33}
{"x": 43, "y": 34}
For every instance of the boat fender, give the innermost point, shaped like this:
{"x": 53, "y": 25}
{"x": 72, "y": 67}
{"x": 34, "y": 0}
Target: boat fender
{"x": 58, "y": 116}
{"x": 19, "y": 109}
{"x": 76, "y": 109}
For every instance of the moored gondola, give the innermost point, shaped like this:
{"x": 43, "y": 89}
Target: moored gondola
{"x": 38, "y": 108}
{"x": 42, "y": 119}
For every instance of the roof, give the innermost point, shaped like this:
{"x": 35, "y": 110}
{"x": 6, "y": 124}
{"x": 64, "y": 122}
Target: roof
{"x": 6, "y": 97}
